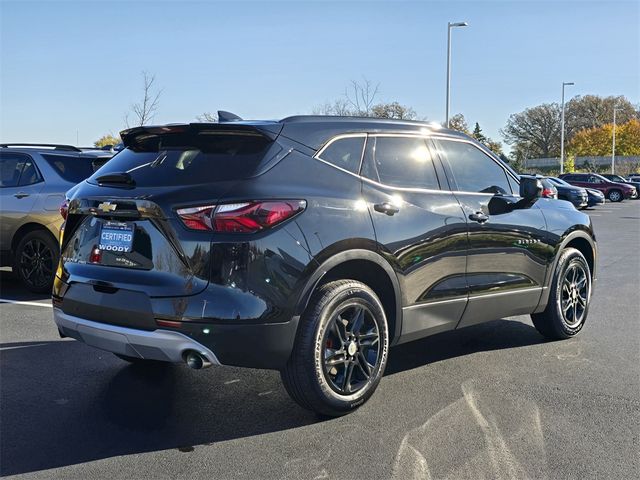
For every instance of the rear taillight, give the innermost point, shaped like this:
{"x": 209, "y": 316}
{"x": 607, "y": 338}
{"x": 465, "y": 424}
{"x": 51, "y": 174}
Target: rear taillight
{"x": 96, "y": 255}
{"x": 197, "y": 218}
{"x": 246, "y": 217}
{"x": 64, "y": 209}
{"x": 548, "y": 193}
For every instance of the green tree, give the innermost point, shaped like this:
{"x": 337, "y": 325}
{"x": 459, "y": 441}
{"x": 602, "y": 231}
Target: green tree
{"x": 535, "y": 132}
{"x": 478, "y": 135}
{"x": 106, "y": 140}
{"x": 570, "y": 164}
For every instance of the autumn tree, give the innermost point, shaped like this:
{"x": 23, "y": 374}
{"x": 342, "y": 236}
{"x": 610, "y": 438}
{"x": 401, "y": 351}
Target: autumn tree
{"x": 597, "y": 141}
{"x": 107, "y": 140}
{"x": 592, "y": 111}
{"x": 459, "y": 123}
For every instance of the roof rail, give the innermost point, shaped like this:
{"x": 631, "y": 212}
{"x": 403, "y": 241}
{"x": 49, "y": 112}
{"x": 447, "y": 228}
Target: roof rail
{"x": 55, "y": 146}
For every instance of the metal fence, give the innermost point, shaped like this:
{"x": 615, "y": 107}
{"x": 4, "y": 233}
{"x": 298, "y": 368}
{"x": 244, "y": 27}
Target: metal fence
{"x": 582, "y": 161}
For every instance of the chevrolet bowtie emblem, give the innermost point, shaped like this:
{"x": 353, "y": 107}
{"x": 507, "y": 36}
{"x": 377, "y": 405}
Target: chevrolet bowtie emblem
{"x": 107, "y": 206}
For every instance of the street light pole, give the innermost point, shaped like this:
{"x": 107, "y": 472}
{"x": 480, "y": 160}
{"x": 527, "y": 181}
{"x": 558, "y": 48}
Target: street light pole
{"x": 613, "y": 145}
{"x": 449, "y": 27}
{"x": 562, "y": 129}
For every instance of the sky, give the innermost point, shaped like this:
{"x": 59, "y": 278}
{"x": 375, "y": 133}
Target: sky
{"x": 69, "y": 71}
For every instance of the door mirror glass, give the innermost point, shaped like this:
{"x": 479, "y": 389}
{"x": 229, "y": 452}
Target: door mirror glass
{"x": 530, "y": 187}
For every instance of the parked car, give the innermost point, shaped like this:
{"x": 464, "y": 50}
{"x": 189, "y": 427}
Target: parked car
{"x": 310, "y": 245}
{"x": 614, "y": 191}
{"x": 634, "y": 177}
{"x": 33, "y": 181}
{"x": 596, "y": 197}
{"x": 549, "y": 190}
{"x": 619, "y": 179}
{"x": 576, "y": 195}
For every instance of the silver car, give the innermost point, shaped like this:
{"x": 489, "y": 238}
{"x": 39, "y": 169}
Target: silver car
{"x": 33, "y": 183}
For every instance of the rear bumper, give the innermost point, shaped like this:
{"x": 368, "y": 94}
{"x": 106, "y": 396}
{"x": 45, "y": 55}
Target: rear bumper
{"x": 162, "y": 345}
{"x": 264, "y": 345}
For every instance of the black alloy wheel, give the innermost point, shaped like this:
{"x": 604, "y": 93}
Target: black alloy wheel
{"x": 569, "y": 296}
{"x": 35, "y": 261}
{"x": 351, "y": 349}
{"x": 575, "y": 294}
{"x": 341, "y": 349}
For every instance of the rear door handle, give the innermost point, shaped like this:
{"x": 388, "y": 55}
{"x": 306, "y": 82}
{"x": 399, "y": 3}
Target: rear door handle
{"x": 20, "y": 195}
{"x": 479, "y": 217}
{"x": 386, "y": 208}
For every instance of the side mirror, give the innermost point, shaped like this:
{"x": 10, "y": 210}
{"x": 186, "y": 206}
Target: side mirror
{"x": 530, "y": 187}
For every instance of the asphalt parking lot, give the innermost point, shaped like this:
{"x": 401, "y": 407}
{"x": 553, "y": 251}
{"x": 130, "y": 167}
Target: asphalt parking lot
{"x": 490, "y": 401}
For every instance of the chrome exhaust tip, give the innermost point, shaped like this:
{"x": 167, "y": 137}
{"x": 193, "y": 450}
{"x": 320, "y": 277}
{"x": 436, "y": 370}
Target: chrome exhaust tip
{"x": 196, "y": 360}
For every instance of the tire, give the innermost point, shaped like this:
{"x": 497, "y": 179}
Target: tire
{"x": 569, "y": 298}
{"x": 615, "y": 196}
{"x": 35, "y": 261}
{"x": 344, "y": 329}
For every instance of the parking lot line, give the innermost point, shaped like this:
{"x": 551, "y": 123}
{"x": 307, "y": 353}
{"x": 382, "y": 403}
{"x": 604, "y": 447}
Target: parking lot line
{"x": 22, "y": 346}
{"x": 23, "y": 302}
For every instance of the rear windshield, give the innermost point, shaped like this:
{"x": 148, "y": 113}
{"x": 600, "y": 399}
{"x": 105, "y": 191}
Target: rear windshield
{"x": 74, "y": 169}
{"x": 189, "y": 159}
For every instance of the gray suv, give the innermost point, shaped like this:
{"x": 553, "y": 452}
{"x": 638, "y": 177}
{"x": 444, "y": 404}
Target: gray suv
{"x": 33, "y": 182}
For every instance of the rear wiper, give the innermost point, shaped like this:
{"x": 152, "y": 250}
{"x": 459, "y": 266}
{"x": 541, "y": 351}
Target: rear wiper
{"x": 116, "y": 178}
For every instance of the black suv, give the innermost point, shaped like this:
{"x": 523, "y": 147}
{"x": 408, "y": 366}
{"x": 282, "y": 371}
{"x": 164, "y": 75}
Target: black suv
{"x": 311, "y": 245}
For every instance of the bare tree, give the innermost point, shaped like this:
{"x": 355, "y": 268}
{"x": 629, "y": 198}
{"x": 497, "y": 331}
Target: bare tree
{"x": 361, "y": 96}
{"x": 338, "y": 107}
{"x": 145, "y": 110}
{"x": 207, "y": 117}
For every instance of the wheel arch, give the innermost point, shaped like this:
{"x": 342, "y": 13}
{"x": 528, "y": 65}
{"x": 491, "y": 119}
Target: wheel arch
{"x": 367, "y": 267}
{"x": 27, "y": 228}
{"x": 582, "y": 241}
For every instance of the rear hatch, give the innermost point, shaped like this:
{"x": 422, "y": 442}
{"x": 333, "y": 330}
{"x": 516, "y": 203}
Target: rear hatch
{"x": 122, "y": 229}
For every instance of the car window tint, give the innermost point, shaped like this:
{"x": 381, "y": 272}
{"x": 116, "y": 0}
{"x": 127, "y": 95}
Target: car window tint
{"x": 472, "y": 169}
{"x": 72, "y": 169}
{"x": 189, "y": 159}
{"x": 344, "y": 153}
{"x": 10, "y": 169}
{"x": 30, "y": 174}
{"x": 403, "y": 162}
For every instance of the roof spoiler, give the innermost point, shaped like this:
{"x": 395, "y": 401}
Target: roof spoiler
{"x": 55, "y": 146}
{"x": 138, "y": 137}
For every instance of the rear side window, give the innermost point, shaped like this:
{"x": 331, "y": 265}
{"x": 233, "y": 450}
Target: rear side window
{"x": 72, "y": 169}
{"x": 30, "y": 174}
{"x": 190, "y": 159}
{"x": 403, "y": 162}
{"x": 344, "y": 152}
{"x": 472, "y": 169}
{"x": 17, "y": 170}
